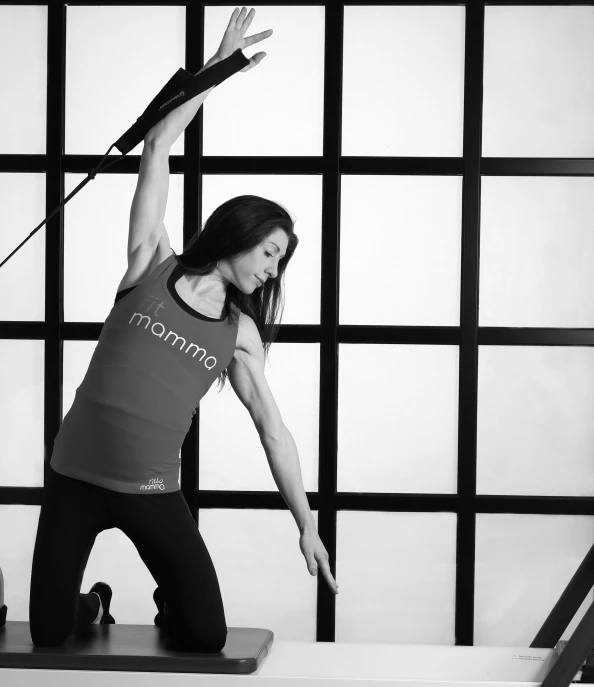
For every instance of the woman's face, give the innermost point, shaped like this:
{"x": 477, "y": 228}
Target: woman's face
{"x": 261, "y": 263}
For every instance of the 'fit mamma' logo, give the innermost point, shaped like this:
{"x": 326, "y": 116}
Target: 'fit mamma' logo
{"x": 159, "y": 333}
{"x": 154, "y": 483}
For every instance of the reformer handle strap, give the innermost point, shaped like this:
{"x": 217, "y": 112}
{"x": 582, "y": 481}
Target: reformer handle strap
{"x": 180, "y": 88}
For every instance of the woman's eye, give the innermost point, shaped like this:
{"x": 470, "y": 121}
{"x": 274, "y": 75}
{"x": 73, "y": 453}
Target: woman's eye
{"x": 268, "y": 254}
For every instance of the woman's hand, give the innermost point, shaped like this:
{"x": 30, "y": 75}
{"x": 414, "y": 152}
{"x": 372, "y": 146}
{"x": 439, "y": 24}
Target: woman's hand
{"x": 315, "y": 555}
{"x": 234, "y": 37}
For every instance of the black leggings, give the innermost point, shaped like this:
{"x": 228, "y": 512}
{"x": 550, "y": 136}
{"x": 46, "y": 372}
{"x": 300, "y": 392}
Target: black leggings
{"x": 165, "y": 535}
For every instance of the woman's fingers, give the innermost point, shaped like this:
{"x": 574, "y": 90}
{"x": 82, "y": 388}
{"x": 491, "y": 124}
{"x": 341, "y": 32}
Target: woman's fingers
{"x": 246, "y": 23}
{"x": 233, "y": 20}
{"x": 240, "y": 22}
{"x": 256, "y": 38}
{"x": 256, "y": 59}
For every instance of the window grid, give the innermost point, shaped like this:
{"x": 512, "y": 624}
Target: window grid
{"x": 331, "y": 165}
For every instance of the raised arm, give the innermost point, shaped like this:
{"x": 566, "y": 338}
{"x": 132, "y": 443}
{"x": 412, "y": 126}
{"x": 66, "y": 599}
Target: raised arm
{"x": 150, "y": 199}
{"x": 167, "y": 130}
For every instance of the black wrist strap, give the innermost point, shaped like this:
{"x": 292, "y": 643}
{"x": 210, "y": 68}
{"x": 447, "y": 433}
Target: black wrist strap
{"x": 180, "y": 88}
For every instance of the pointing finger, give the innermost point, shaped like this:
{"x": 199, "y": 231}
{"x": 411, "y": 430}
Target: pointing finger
{"x": 328, "y": 575}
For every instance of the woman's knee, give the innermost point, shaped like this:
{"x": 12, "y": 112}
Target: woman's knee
{"x": 210, "y": 645}
{"x": 213, "y": 635}
{"x": 218, "y": 643}
{"x": 204, "y": 639}
{"x": 47, "y": 636}
{"x": 48, "y": 625}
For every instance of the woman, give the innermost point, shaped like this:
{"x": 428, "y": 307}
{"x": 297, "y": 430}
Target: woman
{"x": 115, "y": 461}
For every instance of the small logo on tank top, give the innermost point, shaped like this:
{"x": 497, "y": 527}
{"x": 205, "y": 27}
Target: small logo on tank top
{"x": 154, "y": 483}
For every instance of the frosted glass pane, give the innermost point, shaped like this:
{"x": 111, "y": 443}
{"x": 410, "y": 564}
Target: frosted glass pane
{"x": 117, "y": 59}
{"x": 523, "y": 564}
{"x": 276, "y": 108}
{"x": 22, "y": 208}
{"x": 96, "y": 226}
{"x": 236, "y": 460}
{"x": 301, "y": 196}
{"x": 400, "y": 250}
{"x": 538, "y": 72}
{"x": 388, "y": 396}
{"x": 23, "y": 60}
{"x": 397, "y": 577}
{"x": 22, "y": 388}
{"x": 262, "y": 573}
{"x": 403, "y": 81}
{"x": 113, "y": 559}
{"x": 543, "y": 396}
{"x": 537, "y": 255}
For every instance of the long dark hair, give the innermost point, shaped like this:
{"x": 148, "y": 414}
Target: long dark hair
{"x": 234, "y": 228}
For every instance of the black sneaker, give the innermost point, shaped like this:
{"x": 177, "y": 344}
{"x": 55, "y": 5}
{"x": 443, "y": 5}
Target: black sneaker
{"x": 104, "y": 592}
